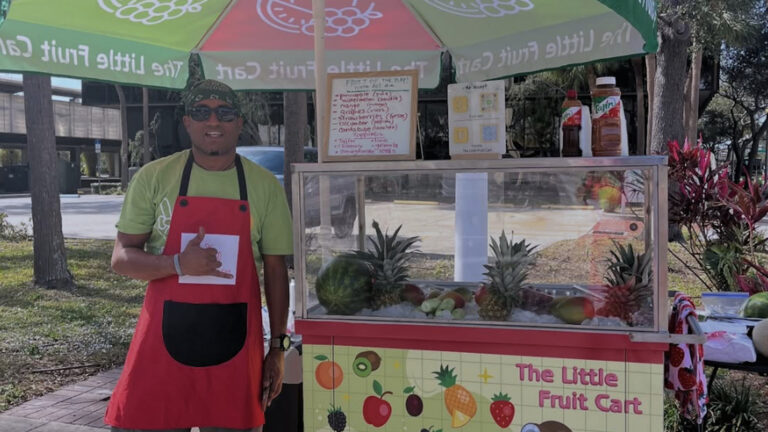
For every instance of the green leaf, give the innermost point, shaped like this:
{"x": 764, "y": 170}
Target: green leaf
{"x": 321, "y": 357}
{"x": 377, "y": 388}
{"x": 408, "y": 390}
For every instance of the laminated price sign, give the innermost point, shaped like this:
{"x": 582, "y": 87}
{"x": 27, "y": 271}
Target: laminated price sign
{"x": 476, "y": 120}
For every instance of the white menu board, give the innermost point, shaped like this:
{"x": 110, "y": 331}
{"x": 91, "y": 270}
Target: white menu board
{"x": 476, "y": 119}
{"x": 371, "y": 116}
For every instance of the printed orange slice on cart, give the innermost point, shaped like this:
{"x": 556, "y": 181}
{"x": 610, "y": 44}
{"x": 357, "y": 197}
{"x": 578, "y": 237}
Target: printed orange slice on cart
{"x": 328, "y": 373}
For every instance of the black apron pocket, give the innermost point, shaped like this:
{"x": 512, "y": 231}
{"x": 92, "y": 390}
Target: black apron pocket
{"x": 204, "y": 334}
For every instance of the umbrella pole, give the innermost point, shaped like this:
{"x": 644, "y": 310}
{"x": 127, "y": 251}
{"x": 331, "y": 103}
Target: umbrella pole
{"x": 318, "y": 14}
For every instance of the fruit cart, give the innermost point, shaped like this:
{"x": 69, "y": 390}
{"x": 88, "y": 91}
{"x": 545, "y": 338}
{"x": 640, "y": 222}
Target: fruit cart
{"x": 560, "y": 326}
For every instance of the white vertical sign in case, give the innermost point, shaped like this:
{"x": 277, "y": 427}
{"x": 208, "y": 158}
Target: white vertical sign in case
{"x": 476, "y": 118}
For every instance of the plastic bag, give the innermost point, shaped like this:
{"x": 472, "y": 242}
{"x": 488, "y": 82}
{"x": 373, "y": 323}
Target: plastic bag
{"x": 729, "y": 348}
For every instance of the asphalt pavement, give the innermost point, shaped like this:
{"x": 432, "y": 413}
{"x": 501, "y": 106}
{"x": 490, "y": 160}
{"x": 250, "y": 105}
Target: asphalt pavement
{"x": 83, "y": 216}
{"x": 95, "y": 216}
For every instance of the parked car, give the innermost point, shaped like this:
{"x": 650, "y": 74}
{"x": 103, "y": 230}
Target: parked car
{"x": 342, "y": 197}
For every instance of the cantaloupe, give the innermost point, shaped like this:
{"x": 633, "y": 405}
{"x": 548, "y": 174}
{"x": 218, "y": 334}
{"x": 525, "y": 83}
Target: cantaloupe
{"x": 760, "y": 337}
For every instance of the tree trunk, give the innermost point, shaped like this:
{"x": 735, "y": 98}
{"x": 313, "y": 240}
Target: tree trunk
{"x": 692, "y": 97}
{"x": 295, "y": 121}
{"x": 670, "y": 84}
{"x": 669, "y": 89}
{"x": 591, "y": 76}
{"x": 757, "y": 135}
{"x": 687, "y": 101}
{"x": 739, "y": 163}
{"x": 637, "y": 67}
{"x": 50, "y": 256}
{"x": 146, "y": 154}
{"x": 734, "y": 152}
{"x": 650, "y": 72}
{"x": 124, "y": 144}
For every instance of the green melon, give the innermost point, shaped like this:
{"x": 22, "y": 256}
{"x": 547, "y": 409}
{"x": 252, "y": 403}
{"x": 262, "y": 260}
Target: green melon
{"x": 343, "y": 286}
{"x": 756, "y": 306}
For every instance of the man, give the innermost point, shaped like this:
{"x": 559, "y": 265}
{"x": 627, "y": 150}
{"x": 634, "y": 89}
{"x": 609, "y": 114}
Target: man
{"x": 195, "y": 224}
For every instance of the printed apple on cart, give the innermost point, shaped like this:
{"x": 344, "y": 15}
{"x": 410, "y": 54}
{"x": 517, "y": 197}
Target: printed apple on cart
{"x": 376, "y": 410}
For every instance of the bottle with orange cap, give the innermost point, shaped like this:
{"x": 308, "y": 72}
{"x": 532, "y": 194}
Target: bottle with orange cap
{"x": 570, "y": 121}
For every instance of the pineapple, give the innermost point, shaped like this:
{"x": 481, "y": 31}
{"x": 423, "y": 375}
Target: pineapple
{"x": 388, "y": 262}
{"x": 628, "y": 291}
{"x": 506, "y": 275}
{"x": 459, "y": 402}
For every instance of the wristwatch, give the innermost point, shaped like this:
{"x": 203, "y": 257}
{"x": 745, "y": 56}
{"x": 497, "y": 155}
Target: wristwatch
{"x": 281, "y": 342}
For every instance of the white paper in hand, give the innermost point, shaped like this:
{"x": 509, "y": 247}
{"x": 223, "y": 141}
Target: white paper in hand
{"x": 226, "y": 245}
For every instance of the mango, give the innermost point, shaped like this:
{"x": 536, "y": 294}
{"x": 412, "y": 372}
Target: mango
{"x": 609, "y": 198}
{"x": 457, "y": 298}
{"x": 412, "y": 294}
{"x": 464, "y": 292}
{"x": 573, "y": 310}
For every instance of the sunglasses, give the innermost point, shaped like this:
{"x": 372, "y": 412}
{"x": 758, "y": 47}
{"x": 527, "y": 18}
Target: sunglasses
{"x": 202, "y": 113}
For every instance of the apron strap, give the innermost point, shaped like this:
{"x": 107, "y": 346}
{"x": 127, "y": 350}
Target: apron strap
{"x": 185, "y": 175}
{"x": 188, "y": 171}
{"x": 241, "y": 179}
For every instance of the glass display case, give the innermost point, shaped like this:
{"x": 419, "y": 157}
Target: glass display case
{"x": 533, "y": 285}
{"x": 553, "y": 242}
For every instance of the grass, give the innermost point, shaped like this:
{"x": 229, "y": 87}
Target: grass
{"x": 47, "y": 329}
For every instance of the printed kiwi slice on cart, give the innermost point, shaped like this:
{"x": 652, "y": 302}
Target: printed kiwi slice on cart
{"x": 365, "y": 363}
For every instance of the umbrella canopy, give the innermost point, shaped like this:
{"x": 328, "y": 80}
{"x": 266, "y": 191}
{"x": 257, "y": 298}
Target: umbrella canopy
{"x": 268, "y": 44}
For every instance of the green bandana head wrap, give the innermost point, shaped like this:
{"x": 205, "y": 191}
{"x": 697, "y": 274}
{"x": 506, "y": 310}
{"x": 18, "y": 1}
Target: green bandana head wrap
{"x": 210, "y": 89}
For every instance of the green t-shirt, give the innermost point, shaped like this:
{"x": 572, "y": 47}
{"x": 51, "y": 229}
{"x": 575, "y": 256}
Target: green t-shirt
{"x": 153, "y": 191}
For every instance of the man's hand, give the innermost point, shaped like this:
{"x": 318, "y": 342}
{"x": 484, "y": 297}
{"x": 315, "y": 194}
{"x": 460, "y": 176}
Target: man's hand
{"x": 199, "y": 261}
{"x": 276, "y": 291}
{"x": 272, "y": 377}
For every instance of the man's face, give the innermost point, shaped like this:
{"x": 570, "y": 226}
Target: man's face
{"x": 211, "y": 136}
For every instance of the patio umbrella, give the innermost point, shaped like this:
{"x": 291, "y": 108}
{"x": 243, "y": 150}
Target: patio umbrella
{"x": 268, "y": 44}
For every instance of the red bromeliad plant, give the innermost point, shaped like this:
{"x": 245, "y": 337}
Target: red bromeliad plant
{"x": 746, "y": 200}
{"x": 719, "y": 216}
{"x": 753, "y": 283}
{"x": 697, "y": 188}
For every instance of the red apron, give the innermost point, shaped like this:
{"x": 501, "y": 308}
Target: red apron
{"x": 196, "y": 356}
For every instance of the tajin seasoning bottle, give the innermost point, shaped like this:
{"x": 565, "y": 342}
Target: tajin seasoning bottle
{"x": 606, "y": 118}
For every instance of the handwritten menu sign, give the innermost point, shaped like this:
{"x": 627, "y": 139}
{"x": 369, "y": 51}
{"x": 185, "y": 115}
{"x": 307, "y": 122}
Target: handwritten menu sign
{"x": 372, "y": 116}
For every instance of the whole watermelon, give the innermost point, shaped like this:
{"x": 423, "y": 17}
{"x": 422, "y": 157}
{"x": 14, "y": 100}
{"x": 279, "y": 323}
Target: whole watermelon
{"x": 343, "y": 286}
{"x": 756, "y": 306}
